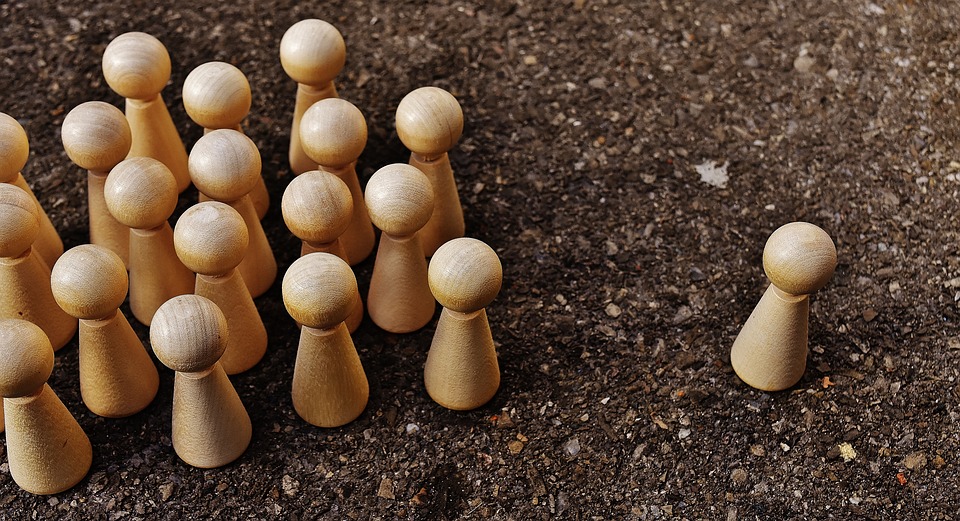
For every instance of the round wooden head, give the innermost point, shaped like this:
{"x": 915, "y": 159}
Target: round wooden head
{"x": 465, "y": 275}
{"x": 96, "y": 136}
{"x": 19, "y": 221}
{"x": 26, "y": 358}
{"x": 210, "y": 238}
{"x": 225, "y": 165}
{"x": 89, "y": 282}
{"x": 333, "y": 132}
{"x": 216, "y": 95}
{"x": 317, "y": 207}
{"x": 14, "y": 148}
{"x": 189, "y": 333}
{"x": 319, "y": 290}
{"x": 799, "y": 258}
{"x": 429, "y": 121}
{"x": 399, "y": 199}
{"x": 141, "y": 193}
{"x": 312, "y": 52}
{"x": 136, "y": 66}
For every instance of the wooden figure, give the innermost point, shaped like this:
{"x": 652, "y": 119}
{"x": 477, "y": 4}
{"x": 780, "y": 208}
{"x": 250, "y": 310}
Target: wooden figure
{"x": 399, "y": 199}
{"x": 137, "y": 66}
{"x": 47, "y": 451}
{"x": 211, "y": 239}
{"x": 225, "y": 165}
{"x": 429, "y": 123}
{"x": 14, "y": 152}
{"x": 461, "y": 372}
{"x": 97, "y": 137}
{"x": 24, "y": 276}
{"x": 210, "y": 427}
{"x": 333, "y": 133}
{"x": 117, "y": 376}
{"x": 312, "y": 53}
{"x": 317, "y": 208}
{"x": 217, "y": 95}
{"x": 770, "y": 353}
{"x": 330, "y": 388}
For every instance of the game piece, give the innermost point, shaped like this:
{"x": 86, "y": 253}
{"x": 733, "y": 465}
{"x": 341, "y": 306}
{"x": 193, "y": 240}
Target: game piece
{"x": 462, "y": 372}
{"x": 211, "y": 239}
{"x": 333, "y": 134}
{"x": 47, "y": 451}
{"x": 399, "y": 199}
{"x": 217, "y": 95}
{"x": 117, "y": 376}
{"x": 225, "y": 165}
{"x": 770, "y": 353}
{"x": 97, "y": 137}
{"x": 429, "y": 123}
{"x": 24, "y": 276}
{"x": 330, "y": 388}
{"x": 210, "y": 425}
{"x": 137, "y": 66}
{"x": 14, "y": 152}
{"x": 317, "y": 208}
{"x": 312, "y": 53}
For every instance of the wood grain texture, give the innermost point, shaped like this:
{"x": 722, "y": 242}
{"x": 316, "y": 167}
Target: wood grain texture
{"x": 247, "y": 342}
{"x": 156, "y": 273}
{"x": 446, "y": 222}
{"x": 330, "y": 388}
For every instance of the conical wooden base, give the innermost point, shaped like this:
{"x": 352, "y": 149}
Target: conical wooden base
{"x": 156, "y": 273}
{"x": 462, "y": 372}
{"x": 105, "y": 229}
{"x": 359, "y": 239}
{"x": 447, "y": 220}
{"x": 330, "y": 388}
{"x": 48, "y": 243}
{"x": 306, "y": 97}
{"x": 258, "y": 267}
{"x": 117, "y": 376}
{"x": 27, "y": 295}
{"x": 247, "y": 340}
{"x": 399, "y": 300}
{"x": 770, "y": 353}
{"x": 210, "y": 425}
{"x": 155, "y": 135}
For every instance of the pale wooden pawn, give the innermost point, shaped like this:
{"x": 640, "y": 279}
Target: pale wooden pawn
{"x": 47, "y": 450}
{"x": 330, "y": 388}
{"x": 141, "y": 193}
{"x": 117, "y": 376}
{"x": 462, "y": 372}
{"x": 429, "y": 123}
{"x": 770, "y": 353}
{"x": 137, "y": 66}
{"x": 211, "y": 239}
{"x": 225, "y": 166}
{"x": 399, "y": 199}
{"x": 210, "y": 425}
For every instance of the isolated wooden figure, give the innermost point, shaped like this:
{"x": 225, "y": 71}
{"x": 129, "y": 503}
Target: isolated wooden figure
{"x": 225, "y": 166}
{"x": 330, "y": 388}
{"x": 47, "y": 451}
{"x": 312, "y": 53}
{"x": 141, "y": 193}
{"x": 137, "y": 66}
{"x": 14, "y": 152}
{"x": 317, "y": 208}
{"x": 429, "y": 123}
{"x": 117, "y": 376}
{"x": 399, "y": 199}
{"x": 210, "y": 427}
{"x": 770, "y": 353}
{"x": 211, "y": 239}
{"x": 462, "y": 372}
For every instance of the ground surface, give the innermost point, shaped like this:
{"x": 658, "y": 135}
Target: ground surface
{"x": 626, "y": 277}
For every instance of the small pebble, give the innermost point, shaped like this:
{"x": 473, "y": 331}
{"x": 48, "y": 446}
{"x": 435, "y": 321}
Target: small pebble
{"x": 738, "y": 475}
{"x": 613, "y": 310}
{"x": 572, "y": 447}
{"x": 803, "y": 64}
{"x": 386, "y": 489}
{"x": 413, "y": 428}
{"x": 166, "y": 490}
{"x": 290, "y": 485}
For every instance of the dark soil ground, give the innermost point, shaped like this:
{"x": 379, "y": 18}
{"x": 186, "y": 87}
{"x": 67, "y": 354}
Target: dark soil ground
{"x": 626, "y": 277}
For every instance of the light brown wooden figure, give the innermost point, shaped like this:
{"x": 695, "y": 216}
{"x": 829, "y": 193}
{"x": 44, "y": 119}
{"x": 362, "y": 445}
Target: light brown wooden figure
{"x": 312, "y": 53}
{"x": 24, "y": 276}
{"x": 137, "y": 66}
{"x": 462, "y": 372}
{"x": 117, "y": 376}
{"x": 429, "y": 123}
{"x": 14, "y": 152}
{"x": 330, "y": 388}
{"x": 770, "y": 353}
{"x": 47, "y": 451}
{"x": 333, "y": 133}
{"x": 210, "y": 427}
{"x": 211, "y": 239}
{"x": 399, "y": 199}
{"x": 225, "y": 165}
{"x": 317, "y": 208}
{"x": 217, "y": 95}
{"x": 141, "y": 193}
